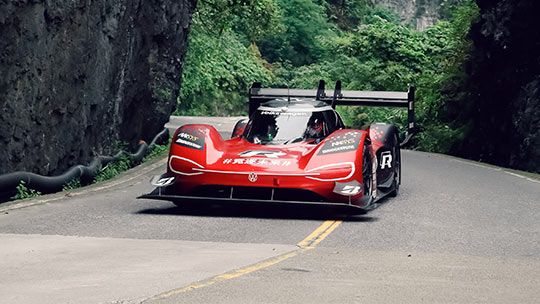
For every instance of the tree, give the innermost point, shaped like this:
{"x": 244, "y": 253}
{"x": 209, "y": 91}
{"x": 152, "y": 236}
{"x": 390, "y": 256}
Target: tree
{"x": 298, "y": 42}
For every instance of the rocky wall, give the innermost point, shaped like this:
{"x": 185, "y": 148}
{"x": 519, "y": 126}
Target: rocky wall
{"x": 418, "y": 13}
{"x": 504, "y": 86}
{"x": 79, "y": 76}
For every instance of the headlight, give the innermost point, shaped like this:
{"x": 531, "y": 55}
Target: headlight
{"x": 183, "y": 166}
{"x": 333, "y": 172}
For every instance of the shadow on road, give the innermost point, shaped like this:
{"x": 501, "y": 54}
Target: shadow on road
{"x": 295, "y": 212}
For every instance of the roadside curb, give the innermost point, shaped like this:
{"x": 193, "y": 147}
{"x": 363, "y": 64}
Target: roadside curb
{"x": 122, "y": 178}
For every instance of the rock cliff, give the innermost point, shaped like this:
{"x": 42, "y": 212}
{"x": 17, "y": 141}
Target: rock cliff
{"x": 78, "y": 76}
{"x": 504, "y": 86}
{"x": 418, "y": 13}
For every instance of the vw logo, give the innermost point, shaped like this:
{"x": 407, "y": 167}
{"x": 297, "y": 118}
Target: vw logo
{"x": 252, "y": 177}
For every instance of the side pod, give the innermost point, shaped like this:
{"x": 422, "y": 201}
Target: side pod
{"x": 385, "y": 142}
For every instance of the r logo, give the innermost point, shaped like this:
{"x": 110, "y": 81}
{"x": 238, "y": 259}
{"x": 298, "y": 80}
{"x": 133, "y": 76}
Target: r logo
{"x": 386, "y": 159}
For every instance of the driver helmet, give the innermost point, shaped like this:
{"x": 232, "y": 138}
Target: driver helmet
{"x": 315, "y": 127}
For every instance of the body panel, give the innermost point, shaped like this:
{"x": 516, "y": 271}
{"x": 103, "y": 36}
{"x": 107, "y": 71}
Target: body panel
{"x": 237, "y": 162}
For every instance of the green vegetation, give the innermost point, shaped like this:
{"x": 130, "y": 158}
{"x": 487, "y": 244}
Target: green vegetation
{"x": 24, "y": 192}
{"x": 156, "y": 151}
{"x": 112, "y": 169}
{"x": 124, "y": 163}
{"x": 72, "y": 185}
{"x": 162, "y": 94}
{"x": 298, "y": 42}
{"x": 222, "y": 62}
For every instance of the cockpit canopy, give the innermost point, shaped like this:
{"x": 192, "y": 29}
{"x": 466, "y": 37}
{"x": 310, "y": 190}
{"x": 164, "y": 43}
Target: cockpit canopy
{"x": 291, "y": 124}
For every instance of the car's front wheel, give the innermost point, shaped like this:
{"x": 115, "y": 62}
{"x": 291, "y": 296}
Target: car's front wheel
{"x": 367, "y": 175}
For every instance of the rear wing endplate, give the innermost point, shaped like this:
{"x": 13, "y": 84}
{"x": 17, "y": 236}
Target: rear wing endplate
{"x": 337, "y": 97}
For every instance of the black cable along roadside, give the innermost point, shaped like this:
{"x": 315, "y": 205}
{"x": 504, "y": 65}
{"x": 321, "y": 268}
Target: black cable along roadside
{"x": 86, "y": 174}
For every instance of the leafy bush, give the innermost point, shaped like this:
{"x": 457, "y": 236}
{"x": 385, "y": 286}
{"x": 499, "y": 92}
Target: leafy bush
{"x": 298, "y": 41}
{"x": 72, "y": 185}
{"x": 222, "y": 61}
{"x": 217, "y": 71}
{"x": 23, "y": 192}
{"x": 112, "y": 169}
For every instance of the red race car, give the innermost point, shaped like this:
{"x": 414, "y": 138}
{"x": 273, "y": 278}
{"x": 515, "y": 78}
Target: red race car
{"x": 294, "y": 149}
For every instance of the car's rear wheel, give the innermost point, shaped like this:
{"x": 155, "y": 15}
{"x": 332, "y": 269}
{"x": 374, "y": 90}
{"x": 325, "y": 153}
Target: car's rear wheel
{"x": 396, "y": 154}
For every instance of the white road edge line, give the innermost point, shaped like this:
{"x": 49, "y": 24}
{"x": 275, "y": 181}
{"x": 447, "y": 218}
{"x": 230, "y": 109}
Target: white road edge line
{"x": 498, "y": 169}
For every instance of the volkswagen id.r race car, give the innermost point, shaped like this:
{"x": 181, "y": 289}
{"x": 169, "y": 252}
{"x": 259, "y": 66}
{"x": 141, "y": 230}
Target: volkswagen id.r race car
{"x": 293, "y": 149}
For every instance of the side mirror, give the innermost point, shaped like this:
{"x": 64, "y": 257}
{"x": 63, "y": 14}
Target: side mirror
{"x": 239, "y": 127}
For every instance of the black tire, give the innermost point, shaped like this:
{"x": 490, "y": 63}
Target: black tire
{"x": 396, "y": 154}
{"x": 367, "y": 175}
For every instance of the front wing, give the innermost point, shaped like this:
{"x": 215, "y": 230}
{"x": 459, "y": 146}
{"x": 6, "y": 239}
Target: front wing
{"x": 155, "y": 195}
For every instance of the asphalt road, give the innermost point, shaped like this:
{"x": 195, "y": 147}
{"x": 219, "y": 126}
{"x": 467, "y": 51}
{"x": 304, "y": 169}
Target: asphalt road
{"x": 458, "y": 232}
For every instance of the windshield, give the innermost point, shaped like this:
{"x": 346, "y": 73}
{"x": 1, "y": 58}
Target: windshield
{"x": 278, "y": 128}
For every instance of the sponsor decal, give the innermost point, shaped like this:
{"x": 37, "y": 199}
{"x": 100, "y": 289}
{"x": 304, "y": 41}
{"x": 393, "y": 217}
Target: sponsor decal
{"x": 190, "y": 140}
{"x": 348, "y": 189}
{"x": 252, "y": 177}
{"x": 343, "y": 143}
{"x": 257, "y": 162}
{"x": 265, "y": 153}
{"x": 162, "y": 182}
{"x": 285, "y": 113}
{"x": 187, "y": 136}
{"x": 376, "y": 133}
{"x": 386, "y": 159}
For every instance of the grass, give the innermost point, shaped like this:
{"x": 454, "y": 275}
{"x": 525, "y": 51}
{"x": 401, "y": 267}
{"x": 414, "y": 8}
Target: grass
{"x": 156, "y": 151}
{"x": 112, "y": 169}
{"x": 72, "y": 185}
{"x": 124, "y": 163}
{"x": 23, "y": 192}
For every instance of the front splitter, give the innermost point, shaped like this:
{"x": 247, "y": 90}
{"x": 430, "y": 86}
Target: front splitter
{"x": 240, "y": 201}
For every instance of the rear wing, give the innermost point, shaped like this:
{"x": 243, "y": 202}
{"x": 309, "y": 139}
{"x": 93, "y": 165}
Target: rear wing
{"x": 337, "y": 97}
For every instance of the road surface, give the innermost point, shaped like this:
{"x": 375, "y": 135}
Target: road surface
{"x": 458, "y": 232}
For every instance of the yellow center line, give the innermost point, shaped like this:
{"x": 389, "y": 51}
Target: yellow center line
{"x": 227, "y": 276}
{"x": 319, "y": 234}
{"x": 312, "y": 240}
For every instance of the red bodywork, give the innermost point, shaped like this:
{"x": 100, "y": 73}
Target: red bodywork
{"x": 294, "y": 149}
{"x": 239, "y": 163}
